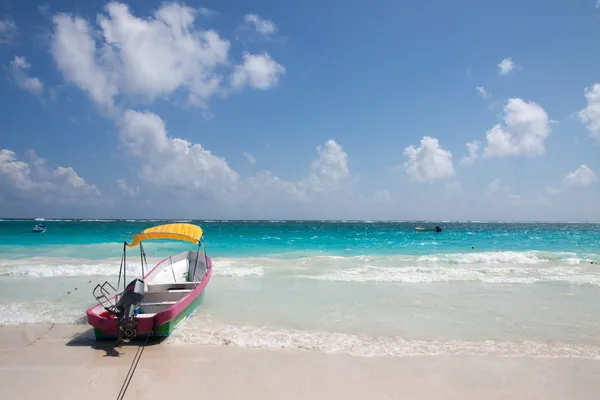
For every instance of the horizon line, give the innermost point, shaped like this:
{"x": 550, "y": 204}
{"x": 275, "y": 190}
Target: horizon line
{"x": 183, "y": 220}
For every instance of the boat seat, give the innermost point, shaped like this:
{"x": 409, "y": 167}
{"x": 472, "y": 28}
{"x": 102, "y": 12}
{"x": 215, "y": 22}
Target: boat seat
{"x": 155, "y": 307}
{"x": 161, "y": 287}
{"x": 165, "y": 295}
{"x": 158, "y": 303}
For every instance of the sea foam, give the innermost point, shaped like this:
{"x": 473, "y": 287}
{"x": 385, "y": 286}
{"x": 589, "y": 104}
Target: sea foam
{"x": 493, "y": 267}
{"x": 217, "y": 334}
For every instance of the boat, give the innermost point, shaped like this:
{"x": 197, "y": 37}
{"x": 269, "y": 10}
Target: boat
{"x": 156, "y": 304}
{"x": 39, "y": 228}
{"x": 434, "y": 229}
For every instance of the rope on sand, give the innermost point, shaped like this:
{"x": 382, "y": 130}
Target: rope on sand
{"x": 132, "y": 368}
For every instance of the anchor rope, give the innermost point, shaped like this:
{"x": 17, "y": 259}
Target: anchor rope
{"x": 132, "y": 368}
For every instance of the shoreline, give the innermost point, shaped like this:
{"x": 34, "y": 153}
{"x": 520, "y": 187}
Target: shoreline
{"x": 65, "y": 362}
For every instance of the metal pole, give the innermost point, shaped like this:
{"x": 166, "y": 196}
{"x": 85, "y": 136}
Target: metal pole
{"x": 124, "y": 266}
{"x": 142, "y": 258}
{"x": 196, "y": 263}
{"x": 120, "y": 272}
{"x": 205, "y": 259}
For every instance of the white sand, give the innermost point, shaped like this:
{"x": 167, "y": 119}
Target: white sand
{"x": 60, "y": 367}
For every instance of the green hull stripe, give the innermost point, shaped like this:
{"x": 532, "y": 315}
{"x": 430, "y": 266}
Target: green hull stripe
{"x": 168, "y": 327}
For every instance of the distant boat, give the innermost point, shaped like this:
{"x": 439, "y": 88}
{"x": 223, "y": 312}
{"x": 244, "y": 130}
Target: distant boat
{"x": 434, "y": 229}
{"x": 39, "y": 228}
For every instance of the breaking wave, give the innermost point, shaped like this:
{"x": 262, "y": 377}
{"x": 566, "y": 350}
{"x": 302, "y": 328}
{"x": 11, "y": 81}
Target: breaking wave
{"x": 492, "y": 267}
{"x": 215, "y": 334}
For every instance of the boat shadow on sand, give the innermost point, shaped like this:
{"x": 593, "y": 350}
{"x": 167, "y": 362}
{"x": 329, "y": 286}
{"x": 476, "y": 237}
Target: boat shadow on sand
{"x": 87, "y": 339}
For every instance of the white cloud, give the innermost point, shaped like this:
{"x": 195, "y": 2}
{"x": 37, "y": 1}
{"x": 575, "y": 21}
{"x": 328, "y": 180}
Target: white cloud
{"x": 524, "y": 133}
{"x": 172, "y": 163}
{"x": 330, "y": 169}
{"x": 265, "y": 27}
{"x": 473, "y": 153}
{"x": 8, "y": 30}
{"x": 206, "y": 12}
{"x": 259, "y": 71}
{"x": 250, "y": 158}
{"x": 429, "y": 161}
{"x": 18, "y": 69}
{"x": 590, "y": 115}
{"x": 74, "y": 51}
{"x": 147, "y": 58}
{"x": 34, "y": 180}
{"x": 506, "y": 65}
{"x": 481, "y": 92}
{"x": 181, "y": 171}
{"x": 582, "y": 176}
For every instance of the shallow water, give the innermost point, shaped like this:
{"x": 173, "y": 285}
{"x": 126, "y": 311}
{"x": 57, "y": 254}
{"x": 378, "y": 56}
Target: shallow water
{"x": 361, "y": 288}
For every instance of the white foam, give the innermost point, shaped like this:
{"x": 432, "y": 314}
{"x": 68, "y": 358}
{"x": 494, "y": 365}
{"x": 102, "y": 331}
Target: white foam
{"x": 215, "y": 334}
{"x": 493, "y": 267}
{"x": 485, "y": 274}
{"x": 57, "y": 267}
{"x": 500, "y": 257}
{"x": 15, "y": 313}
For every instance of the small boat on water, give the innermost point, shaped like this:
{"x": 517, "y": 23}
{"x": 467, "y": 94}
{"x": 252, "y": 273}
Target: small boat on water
{"x": 434, "y": 229}
{"x": 162, "y": 299}
{"x": 39, "y": 228}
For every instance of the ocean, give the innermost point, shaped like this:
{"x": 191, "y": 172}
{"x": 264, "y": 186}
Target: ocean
{"x": 364, "y": 288}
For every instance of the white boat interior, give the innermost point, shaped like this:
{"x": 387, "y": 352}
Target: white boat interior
{"x": 170, "y": 282}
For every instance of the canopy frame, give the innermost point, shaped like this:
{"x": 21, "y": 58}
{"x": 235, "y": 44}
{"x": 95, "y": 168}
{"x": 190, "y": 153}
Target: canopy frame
{"x": 176, "y": 231}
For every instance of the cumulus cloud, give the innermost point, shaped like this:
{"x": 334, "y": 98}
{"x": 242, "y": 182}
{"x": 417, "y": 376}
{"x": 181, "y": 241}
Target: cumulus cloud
{"x": 472, "y": 153}
{"x": 8, "y": 30}
{"x": 582, "y": 176}
{"x": 18, "y": 70}
{"x": 148, "y": 58}
{"x": 590, "y": 115}
{"x": 429, "y": 161}
{"x": 35, "y": 180}
{"x": 329, "y": 169}
{"x": 173, "y": 163}
{"x": 183, "y": 169}
{"x": 505, "y": 66}
{"x": 524, "y": 132}
{"x": 258, "y": 71}
{"x": 264, "y": 27}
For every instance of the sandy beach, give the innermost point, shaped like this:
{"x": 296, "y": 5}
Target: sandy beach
{"x": 66, "y": 363}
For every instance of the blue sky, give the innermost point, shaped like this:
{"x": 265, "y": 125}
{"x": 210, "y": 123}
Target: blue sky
{"x": 300, "y": 110}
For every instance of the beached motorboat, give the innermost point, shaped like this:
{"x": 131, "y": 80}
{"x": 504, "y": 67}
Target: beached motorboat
{"x": 39, "y": 228}
{"x": 434, "y": 229}
{"x": 158, "y": 302}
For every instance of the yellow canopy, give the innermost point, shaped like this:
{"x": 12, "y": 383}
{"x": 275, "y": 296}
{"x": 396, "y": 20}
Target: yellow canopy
{"x": 185, "y": 232}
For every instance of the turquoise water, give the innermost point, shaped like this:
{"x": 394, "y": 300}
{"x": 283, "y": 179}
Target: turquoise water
{"x": 366, "y": 288}
{"x": 89, "y": 239}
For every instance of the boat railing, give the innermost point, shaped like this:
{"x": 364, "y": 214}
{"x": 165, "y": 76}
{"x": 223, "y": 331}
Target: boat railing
{"x": 172, "y": 270}
{"x": 104, "y": 294}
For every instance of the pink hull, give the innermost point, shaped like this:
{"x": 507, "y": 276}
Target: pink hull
{"x": 162, "y": 320}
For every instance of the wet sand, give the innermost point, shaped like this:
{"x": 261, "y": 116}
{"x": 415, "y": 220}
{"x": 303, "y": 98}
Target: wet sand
{"x": 66, "y": 364}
